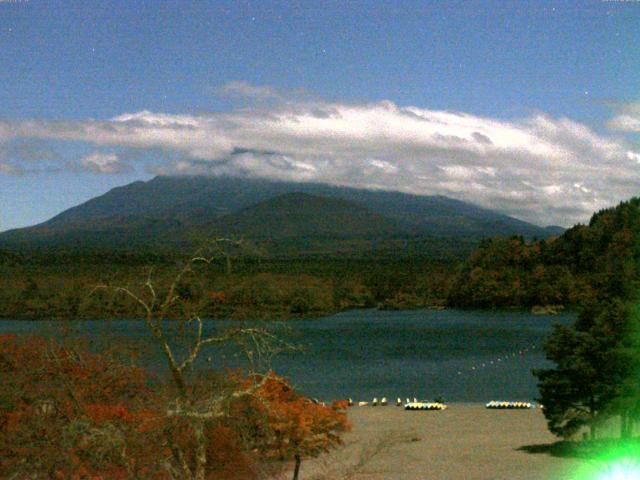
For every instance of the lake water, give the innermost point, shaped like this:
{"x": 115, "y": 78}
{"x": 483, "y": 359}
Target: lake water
{"x": 463, "y": 356}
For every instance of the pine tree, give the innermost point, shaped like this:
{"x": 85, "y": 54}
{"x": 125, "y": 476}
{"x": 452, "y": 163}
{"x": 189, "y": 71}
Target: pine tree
{"x": 595, "y": 373}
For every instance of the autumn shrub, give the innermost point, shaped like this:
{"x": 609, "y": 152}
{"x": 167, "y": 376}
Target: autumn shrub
{"x": 283, "y": 425}
{"x": 69, "y": 413}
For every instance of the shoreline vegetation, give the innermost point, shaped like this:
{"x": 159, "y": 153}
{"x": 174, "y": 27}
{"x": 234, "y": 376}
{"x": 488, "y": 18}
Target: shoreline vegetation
{"x": 63, "y": 288}
{"x": 66, "y": 292}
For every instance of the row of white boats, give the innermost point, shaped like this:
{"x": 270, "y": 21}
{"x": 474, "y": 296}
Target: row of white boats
{"x": 383, "y": 402}
{"x": 415, "y": 404}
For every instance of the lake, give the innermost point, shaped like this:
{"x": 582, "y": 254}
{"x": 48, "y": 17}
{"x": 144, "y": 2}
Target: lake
{"x": 462, "y": 356}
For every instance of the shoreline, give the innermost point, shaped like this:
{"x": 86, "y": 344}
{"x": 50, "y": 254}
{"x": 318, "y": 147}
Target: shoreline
{"x": 568, "y": 310}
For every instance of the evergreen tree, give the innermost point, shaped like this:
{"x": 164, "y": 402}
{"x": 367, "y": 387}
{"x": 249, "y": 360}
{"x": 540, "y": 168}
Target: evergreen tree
{"x": 595, "y": 373}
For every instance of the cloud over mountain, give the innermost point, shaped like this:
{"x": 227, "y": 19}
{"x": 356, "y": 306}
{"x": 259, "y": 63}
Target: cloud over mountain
{"x": 99, "y": 162}
{"x": 541, "y": 169}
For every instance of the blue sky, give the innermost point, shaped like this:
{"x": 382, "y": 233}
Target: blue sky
{"x": 554, "y": 86}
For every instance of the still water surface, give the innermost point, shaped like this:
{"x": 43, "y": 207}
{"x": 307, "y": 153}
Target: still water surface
{"x": 463, "y": 356}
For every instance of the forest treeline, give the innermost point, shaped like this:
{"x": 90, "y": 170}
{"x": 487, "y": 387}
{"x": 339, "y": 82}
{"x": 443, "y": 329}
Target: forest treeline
{"x": 568, "y": 271}
{"x": 598, "y": 259}
{"x": 35, "y": 287}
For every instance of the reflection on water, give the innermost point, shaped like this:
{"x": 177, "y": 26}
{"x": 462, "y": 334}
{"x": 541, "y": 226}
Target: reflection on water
{"x": 459, "y": 355}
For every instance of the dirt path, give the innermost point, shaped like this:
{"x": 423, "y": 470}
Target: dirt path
{"x": 466, "y": 442}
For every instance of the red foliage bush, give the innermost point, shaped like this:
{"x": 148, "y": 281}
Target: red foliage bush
{"x": 66, "y": 412}
{"x": 288, "y": 424}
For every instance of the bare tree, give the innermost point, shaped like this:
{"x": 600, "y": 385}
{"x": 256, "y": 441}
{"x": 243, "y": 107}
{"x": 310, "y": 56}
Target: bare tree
{"x": 159, "y": 314}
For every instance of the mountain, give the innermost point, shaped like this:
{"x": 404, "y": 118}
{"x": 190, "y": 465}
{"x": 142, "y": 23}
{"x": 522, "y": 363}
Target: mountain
{"x": 175, "y": 210}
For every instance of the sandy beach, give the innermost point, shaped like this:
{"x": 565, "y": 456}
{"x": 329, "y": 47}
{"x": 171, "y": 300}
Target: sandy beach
{"x": 466, "y": 442}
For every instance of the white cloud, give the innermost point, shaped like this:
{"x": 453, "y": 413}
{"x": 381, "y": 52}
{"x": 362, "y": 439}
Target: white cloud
{"x": 633, "y": 156}
{"x": 384, "y": 166}
{"x": 104, "y": 163}
{"x": 627, "y": 119}
{"x": 541, "y": 169}
{"x": 581, "y": 187}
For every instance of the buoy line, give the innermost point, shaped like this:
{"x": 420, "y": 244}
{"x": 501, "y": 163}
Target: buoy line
{"x": 502, "y": 360}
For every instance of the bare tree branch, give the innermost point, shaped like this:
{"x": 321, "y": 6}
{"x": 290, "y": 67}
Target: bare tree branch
{"x": 258, "y": 344}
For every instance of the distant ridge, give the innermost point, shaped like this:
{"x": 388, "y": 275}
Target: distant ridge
{"x": 174, "y": 210}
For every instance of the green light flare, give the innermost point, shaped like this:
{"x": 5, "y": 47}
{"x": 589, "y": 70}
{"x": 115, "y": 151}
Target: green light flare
{"x": 618, "y": 462}
{"x": 621, "y": 470}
